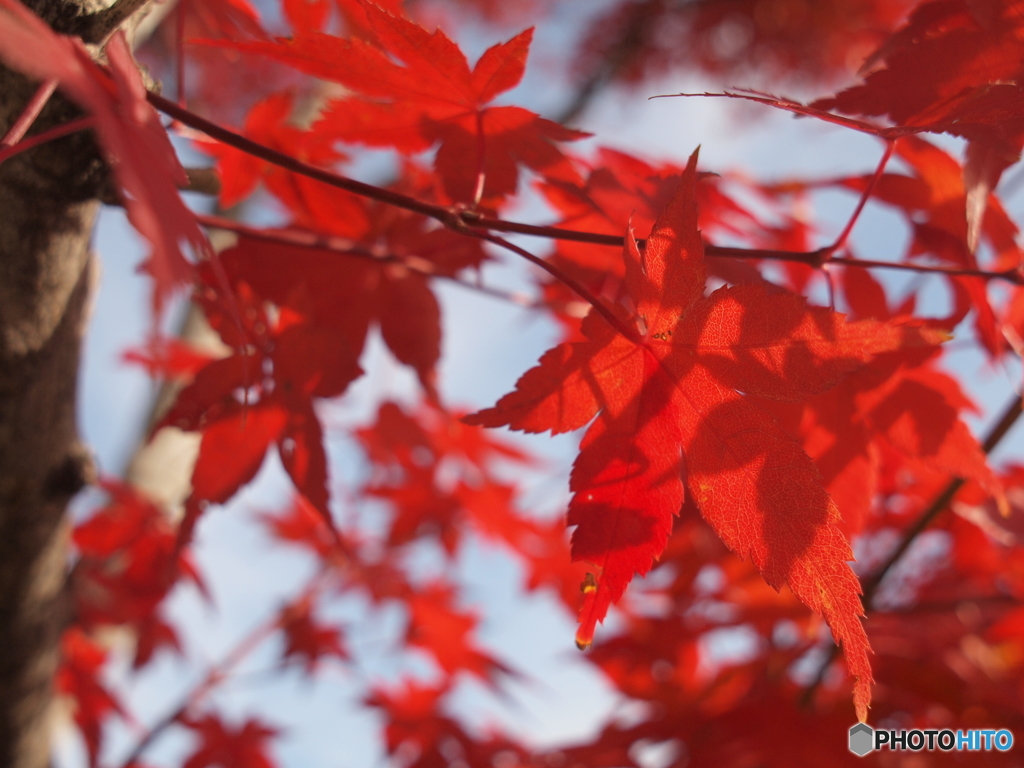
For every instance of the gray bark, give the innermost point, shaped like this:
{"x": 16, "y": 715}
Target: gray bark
{"x": 49, "y": 199}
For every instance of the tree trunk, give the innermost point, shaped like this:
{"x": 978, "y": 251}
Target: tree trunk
{"x": 49, "y": 202}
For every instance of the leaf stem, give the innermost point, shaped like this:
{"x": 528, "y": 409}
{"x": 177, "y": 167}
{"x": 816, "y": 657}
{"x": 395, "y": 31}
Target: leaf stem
{"x": 29, "y": 114}
{"x": 803, "y": 110}
{"x": 563, "y": 278}
{"x": 1009, "y": 275}
{"x": 58, "y": 131}
{"x": 890, "y": 145}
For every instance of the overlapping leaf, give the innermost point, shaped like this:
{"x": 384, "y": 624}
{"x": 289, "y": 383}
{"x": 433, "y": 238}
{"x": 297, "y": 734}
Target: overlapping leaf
{"x": 667, "y": 407}
{"x": 956, "y": 67}
{"x": 623, "y": 190}
{"x": 419, "y": 729}
{"x": 268, "y": 123}
{"x": 127, "y": 565}
{"x": 443, "y": 630}
{"x": 134, "y": 142}
{"x": 261, "y": 395}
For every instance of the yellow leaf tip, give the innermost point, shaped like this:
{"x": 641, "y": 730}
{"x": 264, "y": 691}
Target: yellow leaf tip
{"x": 1003, "y": 505}
{"x": 589, "y": 584}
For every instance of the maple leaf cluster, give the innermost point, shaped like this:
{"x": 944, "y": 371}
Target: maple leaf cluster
{"x": 740, "y": 437}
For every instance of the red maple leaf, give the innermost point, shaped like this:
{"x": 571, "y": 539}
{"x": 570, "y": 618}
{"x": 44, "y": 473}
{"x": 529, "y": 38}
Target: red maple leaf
{"x": 384, "y": 282}
{"x": 622, "y": 190}
{"x": 222, "y": 744}
{"x": 416, "y": 89}
{"x": 408, "y": 451}
{"x": 669, "y": 390}
{"x": 307, "y": 639}
{"x": 224, "y": 18}
{"x": 303, "y": 526}
{"x": 307, "y": 15}
{"x": 443, "y": 630}
{"x": 168, "y": 357}
{"x": 343, "y": 295}
{"x": 127, "y": 565}
{"x": 268, "y": 123}
{"x": 419, "y": 730}
{"x": 209, "y": 73}
{"x": 79, "y": 677}
{"x": 261, "y": 395}
{"x": 353, "y": 12}
{"x": 901, "y": 402}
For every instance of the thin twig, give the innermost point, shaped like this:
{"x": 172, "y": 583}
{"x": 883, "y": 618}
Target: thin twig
{"x": 1009, "y": 275}
{"x": 202, "y": 180}
{"x": 222, "y": 669}
{"x": 213, "y": 678}
{"x": 469, "y": 222}
{"x": 616, "y": 58}
{"x": 563, "y": 278}
{"x": 289, "y": 163}
{"x": 795, "y": 107}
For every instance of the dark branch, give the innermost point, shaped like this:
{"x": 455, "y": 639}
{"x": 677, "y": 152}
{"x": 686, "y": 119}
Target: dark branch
{"x": 469, "y": 221}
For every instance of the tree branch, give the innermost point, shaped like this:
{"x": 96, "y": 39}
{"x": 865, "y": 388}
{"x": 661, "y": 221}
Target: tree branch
{"x": 97, "y": 27}
{"x": 290, "y": 163}
{"x": 469, "y": 222}
{"x": 203, "y": 181}
{"x": 632, "y": 36}
{"x": 938, "y": 505}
